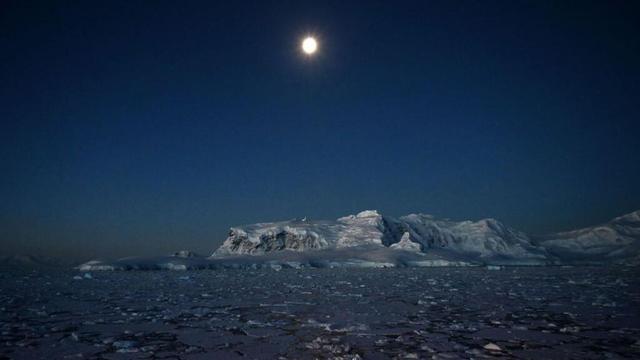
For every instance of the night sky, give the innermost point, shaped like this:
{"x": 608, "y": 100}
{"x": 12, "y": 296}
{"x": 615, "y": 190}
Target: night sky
{"x": 139, "y": 128}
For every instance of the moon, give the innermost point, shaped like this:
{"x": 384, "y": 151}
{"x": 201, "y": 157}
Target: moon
{"x": 309, "y": 45}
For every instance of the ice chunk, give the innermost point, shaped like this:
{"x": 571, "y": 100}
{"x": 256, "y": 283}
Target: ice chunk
{"x": 492, "y": 347}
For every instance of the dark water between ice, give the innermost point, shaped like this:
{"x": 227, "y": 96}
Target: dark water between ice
{"x": 550, "y": 313}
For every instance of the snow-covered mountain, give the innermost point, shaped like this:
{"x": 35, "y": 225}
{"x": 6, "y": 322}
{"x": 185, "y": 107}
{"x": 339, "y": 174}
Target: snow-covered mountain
{"x": 486, "y": 239}
{"x": 615, "y": 241}
{"x": 366, "y": 228}
{"x": 370, "y": 239}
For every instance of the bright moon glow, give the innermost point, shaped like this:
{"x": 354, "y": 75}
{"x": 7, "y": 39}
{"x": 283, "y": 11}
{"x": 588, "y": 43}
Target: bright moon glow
{"x": 309, "y": 45}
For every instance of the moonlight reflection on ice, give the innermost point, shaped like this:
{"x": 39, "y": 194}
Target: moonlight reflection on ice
{"x": 349, "y": 313}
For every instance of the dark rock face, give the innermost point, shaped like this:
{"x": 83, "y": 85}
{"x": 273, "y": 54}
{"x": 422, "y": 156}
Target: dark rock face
{"x": 273, "y": 241}
{"x": 238, "y": 242}
{"x": 392, "y": 231}
{"x": 286, "y": 240}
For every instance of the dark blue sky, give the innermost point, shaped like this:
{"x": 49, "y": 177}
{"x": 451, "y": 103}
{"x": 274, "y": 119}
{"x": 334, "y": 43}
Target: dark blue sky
{"x": 145, "y": 127}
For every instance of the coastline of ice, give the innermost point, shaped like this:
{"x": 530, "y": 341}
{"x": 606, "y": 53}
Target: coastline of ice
{"x": 358, "y": 257}
{"x": 370, "y": 240}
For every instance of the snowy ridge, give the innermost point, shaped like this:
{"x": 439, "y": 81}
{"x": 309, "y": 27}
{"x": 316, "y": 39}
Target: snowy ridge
{"x": 371, "y": 240}
{"x": 615, "y": 241}
{"x": 485, "y": 239}
{"x": 365, "y": 228}
{"x": 482, "y": 240}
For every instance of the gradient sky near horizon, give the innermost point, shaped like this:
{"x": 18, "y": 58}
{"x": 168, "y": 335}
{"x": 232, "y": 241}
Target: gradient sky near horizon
{"x": 144, "y": 127}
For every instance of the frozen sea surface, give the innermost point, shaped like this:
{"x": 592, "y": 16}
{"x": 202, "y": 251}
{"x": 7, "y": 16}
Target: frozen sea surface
{"x": 440, "y": 313}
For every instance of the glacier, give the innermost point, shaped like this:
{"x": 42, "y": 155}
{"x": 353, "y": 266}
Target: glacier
{"x": 370, "y": 239}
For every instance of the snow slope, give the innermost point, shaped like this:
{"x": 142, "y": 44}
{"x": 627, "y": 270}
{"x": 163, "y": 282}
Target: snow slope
{"x": 488, "y": 240}
{"x": 406, "y": 244}
{"x": 615, "y": 241}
